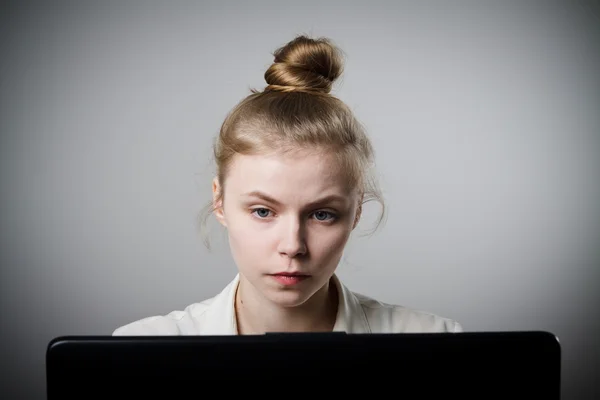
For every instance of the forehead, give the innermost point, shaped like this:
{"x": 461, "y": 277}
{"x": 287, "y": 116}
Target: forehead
{"x": 294, "y": 176}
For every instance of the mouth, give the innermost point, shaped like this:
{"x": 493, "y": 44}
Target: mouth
{"x": 290, "y": 278}
{"x": 298, "y": 274}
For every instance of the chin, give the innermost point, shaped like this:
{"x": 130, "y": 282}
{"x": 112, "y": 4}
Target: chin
{"x": 288, "y": 298}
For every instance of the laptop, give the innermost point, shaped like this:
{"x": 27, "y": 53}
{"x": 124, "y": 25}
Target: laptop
{"x": 472, "y": 365}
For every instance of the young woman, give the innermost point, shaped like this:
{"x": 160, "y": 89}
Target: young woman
{"x": 293, "y": 169}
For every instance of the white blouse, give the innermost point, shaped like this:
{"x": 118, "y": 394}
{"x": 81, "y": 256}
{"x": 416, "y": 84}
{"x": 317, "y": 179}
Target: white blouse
{"x": 356, "y": 314}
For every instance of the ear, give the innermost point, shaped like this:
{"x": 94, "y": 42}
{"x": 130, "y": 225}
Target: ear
{"x": 358, "y": 212}
{"x": 217, "y": 191}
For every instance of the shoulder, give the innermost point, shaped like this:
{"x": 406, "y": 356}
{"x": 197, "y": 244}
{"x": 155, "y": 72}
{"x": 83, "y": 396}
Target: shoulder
{"x": 213, "y": 316}
{"x": 392, "y": 318}
{"x": 178, "y": 322}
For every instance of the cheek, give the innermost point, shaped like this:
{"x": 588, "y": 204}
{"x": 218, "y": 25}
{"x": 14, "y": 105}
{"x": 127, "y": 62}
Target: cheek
{"x": 328, "y": 242}
{"x": 246, "y": 241}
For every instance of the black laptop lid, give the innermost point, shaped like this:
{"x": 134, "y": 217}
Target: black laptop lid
{"x": 480, "y": 365}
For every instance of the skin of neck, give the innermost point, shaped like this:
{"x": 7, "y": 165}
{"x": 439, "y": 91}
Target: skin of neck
{"x": 255, "y": 314}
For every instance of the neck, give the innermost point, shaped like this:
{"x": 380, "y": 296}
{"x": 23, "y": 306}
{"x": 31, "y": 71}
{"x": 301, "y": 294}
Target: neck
{"x": 257, "y": 315}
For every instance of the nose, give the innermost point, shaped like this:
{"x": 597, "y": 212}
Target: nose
{"x": 293, "y": 241}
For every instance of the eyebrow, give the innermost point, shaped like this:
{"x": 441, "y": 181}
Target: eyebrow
{"x": 321, "y": 201}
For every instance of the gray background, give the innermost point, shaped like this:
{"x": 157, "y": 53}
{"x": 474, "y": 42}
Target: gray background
{"x": 484, "y": 116}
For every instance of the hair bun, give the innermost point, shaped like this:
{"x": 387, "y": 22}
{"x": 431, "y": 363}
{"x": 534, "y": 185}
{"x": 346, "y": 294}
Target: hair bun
{"x": 305, "y": 64}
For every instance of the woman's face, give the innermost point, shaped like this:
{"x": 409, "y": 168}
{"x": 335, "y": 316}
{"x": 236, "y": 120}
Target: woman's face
{"x": 287, "y": 214}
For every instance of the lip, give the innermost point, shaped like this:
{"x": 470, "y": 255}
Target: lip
{"x": 290, "y": 274}
{"x": 289, "y": 278}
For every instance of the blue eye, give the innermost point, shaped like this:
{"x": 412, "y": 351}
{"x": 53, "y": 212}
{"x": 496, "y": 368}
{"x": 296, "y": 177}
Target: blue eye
{"x": 261, "y": 212}
{"x": 324, "y": 215}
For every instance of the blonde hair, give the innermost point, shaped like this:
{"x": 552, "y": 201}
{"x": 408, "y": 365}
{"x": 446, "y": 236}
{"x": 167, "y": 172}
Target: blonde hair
{"x": 296, "y": 111}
